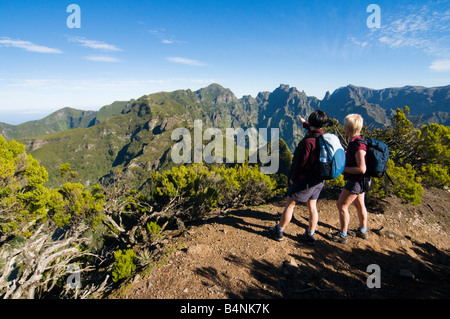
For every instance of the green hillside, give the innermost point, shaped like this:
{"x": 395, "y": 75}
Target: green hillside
{"x": 91, "y": 151}
{"x": 112, "y": 109}
{"x": 61, "y": 120}
{"x": 139, "y": 139}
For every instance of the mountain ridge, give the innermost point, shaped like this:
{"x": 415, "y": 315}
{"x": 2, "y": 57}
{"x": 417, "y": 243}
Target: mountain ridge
{"x": 63, "y": 119}
{"x": 382, "y": 102}
{"x": 137, "y": 134}
{"x": 385, "y": 101}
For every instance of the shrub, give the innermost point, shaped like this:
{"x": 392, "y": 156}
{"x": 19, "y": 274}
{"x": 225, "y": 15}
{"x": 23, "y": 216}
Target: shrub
{"x": 432, "y": 158}
{"x": 189, "y": 188}
{"x": 435, "y": 175}
{"x": 154, "y": 230}
{"x": 337, "y": 182}
{"x": 73, "y": 204}
{"x": 244, "y": 185}
{"x": 23, "y": 196}
{"x": 124, "y": 264}
{"x": 196, "y": 189}
{"x": 433, "y": 145}
{"x": 37, "y": 221}
{"x": 406, "y": 185}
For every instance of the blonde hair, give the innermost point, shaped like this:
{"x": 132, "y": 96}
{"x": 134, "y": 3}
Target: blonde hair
{"x": 354, "y": 122}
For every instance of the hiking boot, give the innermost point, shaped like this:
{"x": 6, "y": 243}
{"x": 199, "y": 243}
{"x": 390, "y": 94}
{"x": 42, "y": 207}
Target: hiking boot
{"x": 307, "y": 239}
{"x": 337, "y": 237}
{"x": 358, "y": 233}
{"x": 276, "y": 233}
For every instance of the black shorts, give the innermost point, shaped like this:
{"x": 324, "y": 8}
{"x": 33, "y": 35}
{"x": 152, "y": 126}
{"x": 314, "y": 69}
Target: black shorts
{"x": 303, "y": 190}
{"x": 358, "y": 186}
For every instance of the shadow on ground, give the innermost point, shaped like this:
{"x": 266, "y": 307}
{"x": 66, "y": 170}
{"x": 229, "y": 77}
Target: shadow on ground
{"x": 330, "y": 270}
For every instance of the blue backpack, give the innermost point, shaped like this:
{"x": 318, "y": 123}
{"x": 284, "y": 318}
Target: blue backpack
{"x": 377, "y": 157}
{"x": 332, "y": 156}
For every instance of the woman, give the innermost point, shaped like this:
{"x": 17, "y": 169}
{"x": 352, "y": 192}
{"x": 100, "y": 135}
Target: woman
{"x": 355, "y": 186}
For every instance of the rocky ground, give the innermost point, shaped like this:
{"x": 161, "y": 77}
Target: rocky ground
{"x": 229, "y": 255}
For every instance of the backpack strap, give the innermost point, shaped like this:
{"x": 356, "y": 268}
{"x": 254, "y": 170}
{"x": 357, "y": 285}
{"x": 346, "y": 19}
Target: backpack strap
{"x": 388, "y": 178}
{"x": 315, "y": 135}
{"x": 362, "y": 141}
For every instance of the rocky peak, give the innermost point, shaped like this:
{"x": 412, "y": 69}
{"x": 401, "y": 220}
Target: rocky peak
{"x": 285, "y": 95}
{"x": 216, "y": 94}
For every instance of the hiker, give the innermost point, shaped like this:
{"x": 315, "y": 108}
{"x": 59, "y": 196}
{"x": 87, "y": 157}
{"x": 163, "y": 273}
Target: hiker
{"x": 305, "y": 186}
{"x": 356, "y": 182}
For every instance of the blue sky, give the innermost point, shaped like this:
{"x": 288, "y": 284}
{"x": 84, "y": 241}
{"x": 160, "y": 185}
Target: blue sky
{"x": 126, "y": 49}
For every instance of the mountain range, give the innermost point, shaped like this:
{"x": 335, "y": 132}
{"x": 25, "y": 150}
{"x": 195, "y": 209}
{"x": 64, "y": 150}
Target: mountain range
{"x": 427, "y": 105}
{"x": 136, "y": 134}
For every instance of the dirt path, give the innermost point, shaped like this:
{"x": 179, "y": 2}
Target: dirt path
{"x": 231, "y": 256}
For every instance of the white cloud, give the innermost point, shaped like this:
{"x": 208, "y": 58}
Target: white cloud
{"x": 27, "y": 45}
{"x": 93, "y": 44}
{"x": 186, "y": 61}
{"x": 440, "y": 66}
{"x": 157, "y": 31}
{"x": 424, "y": 27}
{"x": 102, "y": 59}
{"x": 359, "y": 43}
{"x": 165, "y": 39}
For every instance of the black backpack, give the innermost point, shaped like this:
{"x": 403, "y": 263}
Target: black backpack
{"x": 377, "y": 157}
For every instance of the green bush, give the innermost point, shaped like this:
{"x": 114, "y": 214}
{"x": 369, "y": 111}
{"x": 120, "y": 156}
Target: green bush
{"x": 186, "y": 187}
{"x": 31, "y": 213}
{"x": 196, "y": 189}
{"x": 406, "y": 185}
{"x": 337, "y": 182}
{"x": 243, "y": 185}
{"x": 433, "y": 155}
{"x": 154, "y": 230}
{"x": 124, "y": 264}
{"x": 433, "y": 145}
{"x": 72, "y": 204}
{"x": 435, "y": 175}
{"x": 23, "y": 196}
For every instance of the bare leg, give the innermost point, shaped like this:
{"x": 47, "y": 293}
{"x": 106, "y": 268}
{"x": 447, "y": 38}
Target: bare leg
{"x": 313, "y": 214}
{"x": 361, "y": 210}
{"x": 345, "y": 200}
{"x": 287, "y": 213}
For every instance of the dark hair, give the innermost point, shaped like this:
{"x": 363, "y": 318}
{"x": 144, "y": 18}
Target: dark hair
{"x": 318, "y": 119}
